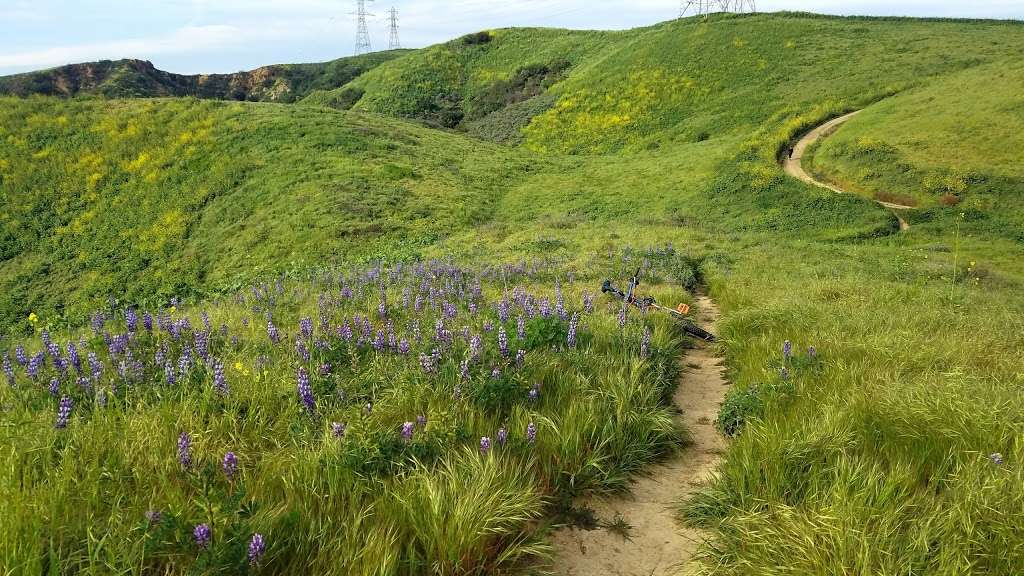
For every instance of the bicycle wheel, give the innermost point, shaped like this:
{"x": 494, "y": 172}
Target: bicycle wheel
{"x": 698, "y": 332}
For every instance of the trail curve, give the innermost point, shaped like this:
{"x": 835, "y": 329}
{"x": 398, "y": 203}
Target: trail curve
{"x": 793, "y": 165}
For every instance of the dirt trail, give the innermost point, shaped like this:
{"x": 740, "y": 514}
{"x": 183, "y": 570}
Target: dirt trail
{"x": 794, "y": 167}
{"x": 657, "y": 544}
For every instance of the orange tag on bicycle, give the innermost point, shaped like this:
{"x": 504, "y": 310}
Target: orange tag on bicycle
{"x": 683, "y": 309}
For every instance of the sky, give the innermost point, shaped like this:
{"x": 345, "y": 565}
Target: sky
{"x": 207, "y": 36}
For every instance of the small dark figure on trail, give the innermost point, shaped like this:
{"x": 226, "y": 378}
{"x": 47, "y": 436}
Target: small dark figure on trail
{"x": 790, "y": 153}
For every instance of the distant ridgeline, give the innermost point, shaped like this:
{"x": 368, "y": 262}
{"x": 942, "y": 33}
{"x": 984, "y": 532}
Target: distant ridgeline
{"x": 131, "y": 78}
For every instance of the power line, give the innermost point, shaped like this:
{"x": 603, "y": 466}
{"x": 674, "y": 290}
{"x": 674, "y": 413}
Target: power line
{"x": 362, "y": 32}
{"x": 393, "y": 42}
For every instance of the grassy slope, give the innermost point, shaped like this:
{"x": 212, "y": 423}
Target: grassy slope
{"x": 874, "y": 460}
{"x": 959, "y": 137}
{"x": 143, "y": 200}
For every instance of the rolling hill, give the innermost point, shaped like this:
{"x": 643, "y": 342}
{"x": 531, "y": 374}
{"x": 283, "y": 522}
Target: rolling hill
{"x": 589, "y": 152}
{"x": 140, "y": 79}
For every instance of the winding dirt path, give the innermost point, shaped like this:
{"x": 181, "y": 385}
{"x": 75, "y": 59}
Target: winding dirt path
{"x": 658, "y": 544}
{"x": 794, "y": 166}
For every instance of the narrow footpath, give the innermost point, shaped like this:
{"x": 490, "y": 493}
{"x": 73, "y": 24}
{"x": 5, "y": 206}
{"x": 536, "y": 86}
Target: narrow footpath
{"x": 657, "y": 544}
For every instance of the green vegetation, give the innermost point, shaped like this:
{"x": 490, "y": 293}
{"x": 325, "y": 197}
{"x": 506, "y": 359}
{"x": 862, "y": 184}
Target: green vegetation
{"x": 139, "y": 78}
{"x": 419, "y": 446}
{"x": 873, "y": 457}
{"x": 952, "y": 142}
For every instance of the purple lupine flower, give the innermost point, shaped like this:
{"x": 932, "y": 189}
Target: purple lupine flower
{"x": 531, "y": 433}
{"x": 20, "y": 356}
{"x": 504, "y": 309}
{"x": 502, "y": 435}
{"x": 622, "y": 316}
{"x": 220, "y": 382}
{"x": 559, "y": 302}
{"x": 488, "y": 326}
{"x": 97, "y": 322}
{"x": 571, "y": 337}
{"x": 345, "y": 331}
{"x": 131, "y": 319}
{"x": 302, "y": 350}
{"x": 464, "y": 370}
{"x": 645, "y": 343}
{"x": 382, "y": 308}
{"x": 485, "y": 445}
{"x": 787, "y": 350}
{"x": 147, "y": 321}
{"x": 230, "y": 465}
{"x": 337, "y": 429}
{"x": 378, "y": 341}
{"x": 95, "y": 366}
{"x": 9, "y": 370}
{"x": 185, "y": 450}
{"x": 496, "y": 373}
{"x": 784, "y": 373}
{"x": 403, "y": 346}
{"x": 812, "y": 352}
{"x": 202, "y": 342}
{"x": 154, "y": 516}
{"x": 64, "y": 412}
{"x": 34, "y": 365}
{"x": 476, "y": 345}
{"x": 503, "y": 341}
{"x": 416, "y": 334}
{"x": 407, "y": 430}
{"x": 202, "y": 535}
{"x": 520, "y": 357}
{"x": 427, "y": 363}
{"x": 256, "y": 549}
{"x": 169, "y": 374}
{"x": 272, "y": 332}
{"x": 73, "y": 357}
{"x": 521, "y": 327}
{"x": 185, "y": 361}
{"x": 588, "y": 302}
{"x": 534, "y": 394}
{"x": 421, "y": 421}
{"x": 306, "y": 327}
{"x": 305, "y": 392}
{"x": 545, "y": 308}
{"x": 325, "y": 369}
{"x": 996, "y": 458}
{"x": 54, "y": 387}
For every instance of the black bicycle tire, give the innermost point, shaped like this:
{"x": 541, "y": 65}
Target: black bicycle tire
{"x": 698, "y": 332}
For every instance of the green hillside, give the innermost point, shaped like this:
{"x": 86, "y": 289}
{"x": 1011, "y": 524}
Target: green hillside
{"x": 143, "y": 200}
{"x": 952, "y": 142}
{"x": 876, "y": 455}
{"x": 139, "y": 78}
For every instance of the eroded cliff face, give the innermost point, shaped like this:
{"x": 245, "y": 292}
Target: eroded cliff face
{"x": 140, "y": 78}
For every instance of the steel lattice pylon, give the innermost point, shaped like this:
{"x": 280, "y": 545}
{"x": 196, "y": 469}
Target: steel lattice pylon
{"x": 705, "y": 7}
{"x": 362, "y": 32}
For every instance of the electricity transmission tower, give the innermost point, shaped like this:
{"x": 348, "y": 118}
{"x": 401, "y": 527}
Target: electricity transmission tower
{"x": 362, "y": 32}
{"x": 705, "y": 7}
{"x": 393, "y": 42}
